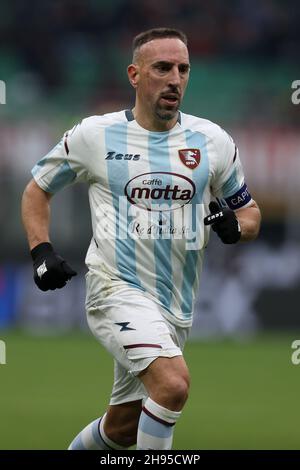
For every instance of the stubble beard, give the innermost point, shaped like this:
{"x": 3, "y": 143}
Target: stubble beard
{"x": 165, "y": 114}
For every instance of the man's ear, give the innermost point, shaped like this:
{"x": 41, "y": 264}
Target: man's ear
{"x": 133, "y": 74}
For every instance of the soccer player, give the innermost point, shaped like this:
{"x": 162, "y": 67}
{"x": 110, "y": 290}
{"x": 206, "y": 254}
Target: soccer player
{"x": 154, "y": 176}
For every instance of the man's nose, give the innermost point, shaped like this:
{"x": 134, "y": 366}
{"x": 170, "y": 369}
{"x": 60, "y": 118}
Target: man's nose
{"x": 174, "y": 77}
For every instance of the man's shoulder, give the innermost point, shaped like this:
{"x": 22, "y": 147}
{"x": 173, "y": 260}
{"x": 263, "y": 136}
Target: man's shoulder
{"x": 89, "y": 128}
{"x": 204, "y": 126}
{"x": 103, "y": 120}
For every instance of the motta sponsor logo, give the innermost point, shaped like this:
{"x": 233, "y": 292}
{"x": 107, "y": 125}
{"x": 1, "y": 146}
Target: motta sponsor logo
{"x": 155, "y": 190}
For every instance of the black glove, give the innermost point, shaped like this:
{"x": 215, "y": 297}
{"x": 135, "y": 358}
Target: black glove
{"x": 50, "y": 270}
{"x": 224, "y": 222}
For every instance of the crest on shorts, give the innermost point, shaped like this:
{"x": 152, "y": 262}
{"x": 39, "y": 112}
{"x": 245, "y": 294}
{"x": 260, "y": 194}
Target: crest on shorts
{"x": 190, "y": 157}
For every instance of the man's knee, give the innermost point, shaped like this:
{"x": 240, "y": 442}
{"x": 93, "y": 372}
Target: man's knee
{"x": 174, "y": 391}
{"x": 167, "y": 381}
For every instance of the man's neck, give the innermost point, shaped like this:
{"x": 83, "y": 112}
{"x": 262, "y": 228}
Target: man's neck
{"x": 150, "y": 123}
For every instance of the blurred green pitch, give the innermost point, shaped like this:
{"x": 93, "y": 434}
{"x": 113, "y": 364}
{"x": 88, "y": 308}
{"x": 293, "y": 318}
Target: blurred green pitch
{"x": 244, "y": 395}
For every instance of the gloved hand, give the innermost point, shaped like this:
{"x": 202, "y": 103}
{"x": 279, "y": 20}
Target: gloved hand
{"x": 224, "y": 222}
{"x": 50, "y": 270}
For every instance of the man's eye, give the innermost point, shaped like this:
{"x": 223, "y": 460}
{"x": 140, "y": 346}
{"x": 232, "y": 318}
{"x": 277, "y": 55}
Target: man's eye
{"x": 183, "y": 69}
{"x": 163, "y": 68}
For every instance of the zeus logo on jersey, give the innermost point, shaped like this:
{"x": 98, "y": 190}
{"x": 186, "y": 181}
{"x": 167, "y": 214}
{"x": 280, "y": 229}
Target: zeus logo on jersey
{"x": 160, "y": 190}
{"x": 122, "y": 156}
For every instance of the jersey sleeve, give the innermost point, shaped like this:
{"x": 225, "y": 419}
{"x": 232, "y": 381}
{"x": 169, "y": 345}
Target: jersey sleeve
{"x": 65, "y": 164}
{"x": 228, "y": 183}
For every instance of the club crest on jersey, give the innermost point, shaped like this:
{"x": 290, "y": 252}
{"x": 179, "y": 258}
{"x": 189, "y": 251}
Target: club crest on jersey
{"x": 190, "y": 157}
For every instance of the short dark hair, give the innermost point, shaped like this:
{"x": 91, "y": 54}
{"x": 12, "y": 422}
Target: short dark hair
{"x": 155, "y": 33}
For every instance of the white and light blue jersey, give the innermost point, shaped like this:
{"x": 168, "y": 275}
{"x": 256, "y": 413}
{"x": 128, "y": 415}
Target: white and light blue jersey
{"x": 148, "y": 193}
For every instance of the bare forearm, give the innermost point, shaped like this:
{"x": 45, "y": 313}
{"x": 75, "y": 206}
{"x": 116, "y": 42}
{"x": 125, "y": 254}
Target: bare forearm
{"x": 36, "y": 214}
{"x": 249, "y": 220}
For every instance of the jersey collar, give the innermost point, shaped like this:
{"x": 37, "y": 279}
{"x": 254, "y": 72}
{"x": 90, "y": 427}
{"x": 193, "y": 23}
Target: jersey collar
{"x": 130, "y": 117}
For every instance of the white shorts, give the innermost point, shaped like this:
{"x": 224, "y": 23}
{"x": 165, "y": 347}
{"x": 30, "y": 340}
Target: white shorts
{"x": 133, "y": 329}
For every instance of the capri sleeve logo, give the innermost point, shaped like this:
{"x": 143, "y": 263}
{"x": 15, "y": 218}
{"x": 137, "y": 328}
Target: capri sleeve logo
{"x": 239, "y": 199}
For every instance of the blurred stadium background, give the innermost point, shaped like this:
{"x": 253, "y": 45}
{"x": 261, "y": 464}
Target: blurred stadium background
{"x": 64, "y": 60}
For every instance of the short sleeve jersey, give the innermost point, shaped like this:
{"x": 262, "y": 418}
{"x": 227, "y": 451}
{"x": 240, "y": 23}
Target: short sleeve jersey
{"x": 148, "y": 194}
